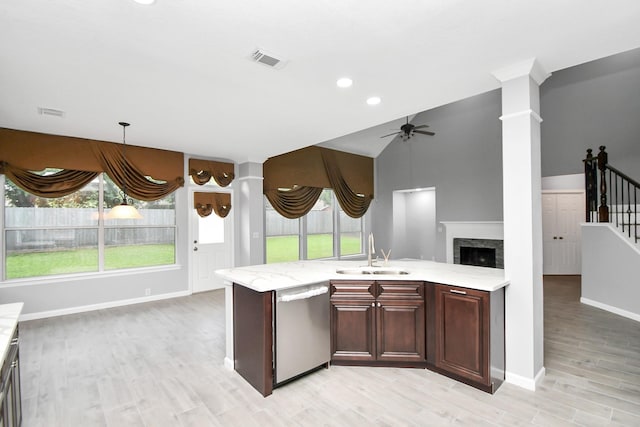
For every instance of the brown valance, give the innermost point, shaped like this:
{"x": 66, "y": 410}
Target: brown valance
{"x": 23, "y": 151}
{"x": 353, "y": 204}
{"x": 293, "y": 203}
{"x": 202, "y": 171}
{"x": 288, "y": 177}
{"x": 205, "y": 203}
{"x": 56, "y": 185}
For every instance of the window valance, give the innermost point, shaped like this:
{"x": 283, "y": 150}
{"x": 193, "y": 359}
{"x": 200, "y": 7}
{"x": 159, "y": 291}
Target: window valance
{"x": 290, "y": 178}
{"x": 205, "y": 203}
{"x": 202, "y": 171}
{"x": 81, "y": 160}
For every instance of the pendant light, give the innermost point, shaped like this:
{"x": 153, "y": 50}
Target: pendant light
{"x": 124, "y": 210}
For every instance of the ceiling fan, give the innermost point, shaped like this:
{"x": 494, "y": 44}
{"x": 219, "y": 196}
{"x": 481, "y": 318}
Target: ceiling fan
{"x": 408, "y": 130}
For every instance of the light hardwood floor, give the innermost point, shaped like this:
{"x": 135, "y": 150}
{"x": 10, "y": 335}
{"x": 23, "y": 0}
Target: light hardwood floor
{"x": 160, "y": 364}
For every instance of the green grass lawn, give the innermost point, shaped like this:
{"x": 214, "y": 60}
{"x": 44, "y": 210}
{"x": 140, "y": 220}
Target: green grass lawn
{"x": 279, "y": 249}
{"x": 85, "y": 260}
{"x": 285, "y": 248}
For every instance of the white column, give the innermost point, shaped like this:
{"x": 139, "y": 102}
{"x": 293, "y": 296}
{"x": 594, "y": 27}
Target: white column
{"x": 250, "y": 247}
{"x": 522, "y": 221}
{"x": 249, "y": 238}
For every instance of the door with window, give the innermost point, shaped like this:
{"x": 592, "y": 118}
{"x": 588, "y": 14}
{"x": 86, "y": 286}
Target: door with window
{"x": 212, "y": 249}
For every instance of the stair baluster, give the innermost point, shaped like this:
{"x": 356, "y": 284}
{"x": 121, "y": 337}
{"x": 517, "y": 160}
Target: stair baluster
{"x": 618, "y": 189}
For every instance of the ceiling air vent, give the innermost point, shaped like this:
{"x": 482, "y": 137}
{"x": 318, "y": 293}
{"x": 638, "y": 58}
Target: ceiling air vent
{"x": 50, "y": 112}
{"x": 267, "y": 59}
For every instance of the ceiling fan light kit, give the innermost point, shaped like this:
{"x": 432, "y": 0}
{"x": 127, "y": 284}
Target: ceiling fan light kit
{"x": 408, "y": 130}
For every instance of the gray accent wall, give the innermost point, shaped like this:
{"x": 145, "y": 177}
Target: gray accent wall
{"x": 463, "y": 161}
{"x": 592, "y": 104}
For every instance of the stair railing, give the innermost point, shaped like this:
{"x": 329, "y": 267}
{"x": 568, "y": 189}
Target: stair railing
{"x": 616, "y": 192}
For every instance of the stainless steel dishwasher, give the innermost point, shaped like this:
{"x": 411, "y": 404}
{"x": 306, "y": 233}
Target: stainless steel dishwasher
{"x": 302, "y": 336}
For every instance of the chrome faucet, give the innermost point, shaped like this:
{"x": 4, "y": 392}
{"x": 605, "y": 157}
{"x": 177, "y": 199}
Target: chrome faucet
{"x": 370, "y": 251}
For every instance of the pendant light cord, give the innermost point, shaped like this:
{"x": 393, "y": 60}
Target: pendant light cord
{"x": 124, "y": 157}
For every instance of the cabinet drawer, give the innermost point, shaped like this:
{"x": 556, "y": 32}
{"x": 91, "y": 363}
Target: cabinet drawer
{"x": 400, "y": 289}
{"x": 350, "y": 289}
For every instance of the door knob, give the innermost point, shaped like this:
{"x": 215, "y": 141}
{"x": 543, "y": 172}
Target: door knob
{"x": 560, "y": 237}
{"x": 195, "y": 249}
{"x": 555, "y": 237}
{"x": 195, "y": 241}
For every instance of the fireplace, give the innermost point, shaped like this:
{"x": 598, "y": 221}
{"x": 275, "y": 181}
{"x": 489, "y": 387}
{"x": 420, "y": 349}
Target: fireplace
{"x": 482, "y": 257}
{"x": 473, "y": 234}
{"x": 480, "y": 252}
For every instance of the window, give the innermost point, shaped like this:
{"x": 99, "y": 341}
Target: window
{"x": 325, "y": 232}
{"x": 46, "y": 237}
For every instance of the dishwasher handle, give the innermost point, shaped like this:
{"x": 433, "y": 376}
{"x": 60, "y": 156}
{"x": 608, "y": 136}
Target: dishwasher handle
{"x": 307, "y": 293}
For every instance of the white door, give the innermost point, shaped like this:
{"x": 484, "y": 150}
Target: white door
{"x": 212, "y": 249}
{"x": 561, "y": 217}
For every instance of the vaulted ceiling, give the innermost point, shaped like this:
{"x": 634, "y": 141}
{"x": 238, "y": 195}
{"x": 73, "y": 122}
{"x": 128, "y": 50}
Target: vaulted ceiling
{"x": 180, "y": 70}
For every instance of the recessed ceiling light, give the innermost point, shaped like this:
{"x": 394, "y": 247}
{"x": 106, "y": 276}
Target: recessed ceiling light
{"x": 344, "y": 82}
{"x": 374, "y": 100}
{"x": 145, "y": 2}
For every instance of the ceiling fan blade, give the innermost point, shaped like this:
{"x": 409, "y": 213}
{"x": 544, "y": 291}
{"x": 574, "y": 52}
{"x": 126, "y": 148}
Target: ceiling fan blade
{"x": 421, "y": 126}
{"x": 395, "y": 133}
{"x": 424, "y": 132}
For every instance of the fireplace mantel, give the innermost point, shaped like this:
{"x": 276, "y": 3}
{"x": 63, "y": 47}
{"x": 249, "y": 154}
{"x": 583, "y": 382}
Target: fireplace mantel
{"x": 470, "y": 230}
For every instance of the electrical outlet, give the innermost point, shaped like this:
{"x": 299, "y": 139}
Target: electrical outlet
{"x": 147, "y": 291}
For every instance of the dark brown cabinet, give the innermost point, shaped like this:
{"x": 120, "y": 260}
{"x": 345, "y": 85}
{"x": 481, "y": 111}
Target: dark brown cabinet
{"x": 378, "y": 323}
{"x": 466, "y": 347}
{"x": 10, "y": 399}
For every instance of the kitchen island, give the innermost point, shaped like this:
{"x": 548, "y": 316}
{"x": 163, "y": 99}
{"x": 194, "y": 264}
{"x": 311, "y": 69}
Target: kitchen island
{"x": 445, "y": 294}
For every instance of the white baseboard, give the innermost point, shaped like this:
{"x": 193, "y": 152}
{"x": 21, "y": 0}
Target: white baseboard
{"x": 228, "y": 363}
{"x": 611, "y": 309}
{"x": 110, "y": 304}
{"x": 524, "y": 382}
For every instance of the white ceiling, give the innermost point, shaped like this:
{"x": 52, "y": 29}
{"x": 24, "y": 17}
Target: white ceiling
{"x": 179, "y": 71}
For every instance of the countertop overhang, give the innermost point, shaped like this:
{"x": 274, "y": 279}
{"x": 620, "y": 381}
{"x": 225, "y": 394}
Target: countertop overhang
{"x": 9, "y": 314}
{"x": 274, "y": 277}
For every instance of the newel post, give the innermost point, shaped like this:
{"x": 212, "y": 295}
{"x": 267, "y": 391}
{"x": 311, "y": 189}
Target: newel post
{"x": 590, "y": 185}
{"x": 603, "y": 210}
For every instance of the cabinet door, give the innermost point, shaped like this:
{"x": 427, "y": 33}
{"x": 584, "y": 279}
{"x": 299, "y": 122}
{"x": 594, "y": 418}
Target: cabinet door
{"x": 352, "y": 329}
{"x": 462, "y": 332}
{"x": 400, "y": 330}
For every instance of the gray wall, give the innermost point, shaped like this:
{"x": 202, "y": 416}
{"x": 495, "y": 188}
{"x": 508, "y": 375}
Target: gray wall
{"x": 615, "y": 285}
{"x": 463, "y": 161}
{"x": 593, "y": 104}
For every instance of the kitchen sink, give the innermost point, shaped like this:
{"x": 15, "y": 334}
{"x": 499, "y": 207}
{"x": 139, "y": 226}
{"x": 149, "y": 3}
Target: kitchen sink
{"x": 372, "y": 270}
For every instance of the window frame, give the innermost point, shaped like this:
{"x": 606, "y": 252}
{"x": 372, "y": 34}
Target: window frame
{"x": 303, "y": 234}
{"x": 101, "y": 227}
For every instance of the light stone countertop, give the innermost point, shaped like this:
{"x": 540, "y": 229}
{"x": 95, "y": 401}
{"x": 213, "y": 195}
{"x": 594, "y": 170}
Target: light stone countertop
{"x": 9, "y": 314}
{"x": 274, "y": 277}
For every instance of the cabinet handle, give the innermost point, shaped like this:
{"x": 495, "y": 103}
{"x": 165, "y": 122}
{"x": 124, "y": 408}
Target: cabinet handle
{"x": 14, "y": 341}
{"x": 555, "y": 237}
{"x": 14, "y": 364}
{"x": 373, "y": 304}
{"x": 379, "y": 304}
{"x": 455, "y": 291}
{"x": 560, "y": 237}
